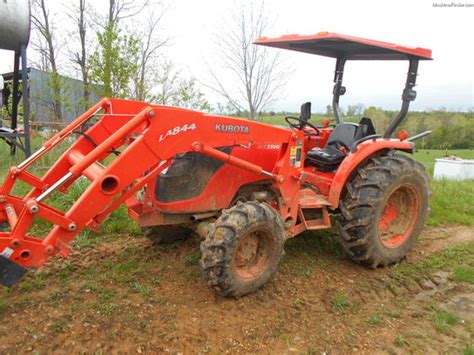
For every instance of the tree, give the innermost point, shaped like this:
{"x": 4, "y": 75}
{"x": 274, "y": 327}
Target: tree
{"x": 167, "y": 79}
{"x": 149, "y": 45}
{"x": 329, "y": 110}
{"x": 113, "y": 64}
{"x": 189, "y": 96}
{"x": 351, "y": 110}
{"x": 80, "y": 58}
{"x": 46, "y": 46}
{"x": 380, "y": 118}
{"x": 257, "y": 72}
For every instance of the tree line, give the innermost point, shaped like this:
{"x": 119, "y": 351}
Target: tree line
{"x": 114, "y": 57}
{"x": 452, "y": 130}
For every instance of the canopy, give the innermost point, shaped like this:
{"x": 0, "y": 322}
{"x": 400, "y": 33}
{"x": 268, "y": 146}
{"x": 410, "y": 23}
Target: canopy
{"x": 341, "y": 46}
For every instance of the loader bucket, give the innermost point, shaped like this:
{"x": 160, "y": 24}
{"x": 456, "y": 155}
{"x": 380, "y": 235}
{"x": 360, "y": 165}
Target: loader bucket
{"x": 10, "y": 272}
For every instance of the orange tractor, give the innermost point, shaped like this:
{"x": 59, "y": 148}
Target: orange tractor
{"x": 243, "y": 186}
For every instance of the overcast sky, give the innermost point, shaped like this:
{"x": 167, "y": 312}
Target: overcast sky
{"x": 447, "y": 81}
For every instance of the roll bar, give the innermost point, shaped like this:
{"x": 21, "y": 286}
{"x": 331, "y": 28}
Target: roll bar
{"x": 408, "y": 94}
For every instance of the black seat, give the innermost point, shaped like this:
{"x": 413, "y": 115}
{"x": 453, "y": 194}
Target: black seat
{"x": 340, "y": 142}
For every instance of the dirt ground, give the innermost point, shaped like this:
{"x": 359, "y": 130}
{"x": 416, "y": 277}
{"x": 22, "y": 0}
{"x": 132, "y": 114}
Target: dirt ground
{"x": 126, "y": 295}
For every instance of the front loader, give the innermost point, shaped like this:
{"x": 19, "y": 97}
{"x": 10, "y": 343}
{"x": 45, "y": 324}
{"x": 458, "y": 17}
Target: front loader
{"x": 244, "y": 187}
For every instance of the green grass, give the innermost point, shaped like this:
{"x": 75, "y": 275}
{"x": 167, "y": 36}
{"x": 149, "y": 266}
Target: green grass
{"x": 375, "y": 320}
{"x": 3, "y": 305}
{"x": 444, "y": 320}
{"x": 451, "y": 258}
{"x": 117, "y": 222}
{"x": 309, "y": 252}
{"x": 340, "y": 302}
{"x": 451, "y": 201}
{"x": 457, "y": 260}
{"x": 465, "y": 274}
{"x": 400, "y": 341}
{"x": 280, "y": 120}
{"x": 428, "y": 156}
{"x": 192, "y": 259}
{"x": 469, "y": 350}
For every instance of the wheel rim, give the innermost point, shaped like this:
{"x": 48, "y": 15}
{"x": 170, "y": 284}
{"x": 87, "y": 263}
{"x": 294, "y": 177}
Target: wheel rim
{"x": 252, "y": 256}
{"x": 399, "y": 216}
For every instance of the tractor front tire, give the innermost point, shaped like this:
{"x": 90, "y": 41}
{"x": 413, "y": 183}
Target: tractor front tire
{"x": 383, "y": 210}
{"x": 243, "y": 249}
{"x": 166, "y": 234}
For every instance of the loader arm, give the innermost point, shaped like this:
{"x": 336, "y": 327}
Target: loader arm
{"x": 130, "y": 144}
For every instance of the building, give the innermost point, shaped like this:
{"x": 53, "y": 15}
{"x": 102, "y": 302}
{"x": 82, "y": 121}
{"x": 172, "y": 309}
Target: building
{"x": 42, "y": 99}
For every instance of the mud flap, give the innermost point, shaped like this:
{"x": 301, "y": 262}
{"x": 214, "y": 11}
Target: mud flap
{"x": 10, "y": 272}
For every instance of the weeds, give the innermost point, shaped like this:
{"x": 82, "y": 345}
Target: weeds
{"x": 191, "y": 260}
{"x": 141, "y": 289}
{"x": 127, "y": 266}
{"x": 298, "y": 302}
{"x": 162, "y": 300}
{"x": 340, "y": 302}
{"x": 107, "y": 294}
{"x": 465, "y": 274}
{"x": 443, "y": 321}
{"x": 400, "y": 341}
{"x": 457, "y": 259}
{"x": 107, "y": 309}
{"x": 87, "y": 239}
{"x": 451, "y": 202}
{"x": 58, "y": 327}
{"x": 35, "y": 282}
{"x": 393, "y": 314}
{"x": 375, "y": 320}
{"x": 310, "y": 251}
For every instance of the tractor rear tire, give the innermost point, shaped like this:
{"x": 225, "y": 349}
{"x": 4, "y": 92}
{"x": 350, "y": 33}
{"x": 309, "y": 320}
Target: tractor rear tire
{"x": 383, "y": 210}
{"x": 243, "y": 249}
{"x": 166, "y": 234}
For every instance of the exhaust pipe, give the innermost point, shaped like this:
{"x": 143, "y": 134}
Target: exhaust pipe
{"x": 199, "y": 216}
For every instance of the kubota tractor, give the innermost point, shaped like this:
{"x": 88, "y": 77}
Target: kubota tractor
{"x": 243, "y": 186}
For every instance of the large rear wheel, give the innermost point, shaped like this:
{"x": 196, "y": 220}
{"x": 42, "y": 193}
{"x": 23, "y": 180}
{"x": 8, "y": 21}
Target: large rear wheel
{"x": 243, "y": 250}
{"x": 383, "y": 210}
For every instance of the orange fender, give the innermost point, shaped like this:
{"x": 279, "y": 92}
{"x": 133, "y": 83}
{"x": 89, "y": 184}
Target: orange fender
{"x": 354, "y": 159}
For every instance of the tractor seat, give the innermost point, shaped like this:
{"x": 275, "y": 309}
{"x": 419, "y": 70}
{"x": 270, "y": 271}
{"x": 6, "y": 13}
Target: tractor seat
{"x": 339, "y": 143}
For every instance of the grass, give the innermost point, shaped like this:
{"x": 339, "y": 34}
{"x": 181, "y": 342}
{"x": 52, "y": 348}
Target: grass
{"x": 3, "y": 305}
{"x": 340, "y": 302}
{"x": 309, "y": 252}
{"x": 400, "y": 341}
{"x": 457, "y": 259}
{"x": 465, "y": 274}
{"x": 444, "y": 320}
{"x": 58, "y": 327}
{"x": 469, "y": 350}
{"x": 192, "y": 259}
{"x": 375, "y": 320}
{"x": 117, "y": 222}
{"x": 392, "y": 314}
{"x": 34, "y": 282}
{"x": 428, "y": 156}
{"x": 451, "y": 258}
{"x": 451, "y": 201}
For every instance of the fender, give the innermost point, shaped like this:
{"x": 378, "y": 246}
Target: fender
{"x": 353, "y": 160}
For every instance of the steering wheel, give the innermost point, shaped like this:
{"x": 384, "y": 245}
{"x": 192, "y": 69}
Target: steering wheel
{"x": 302, "y": 123}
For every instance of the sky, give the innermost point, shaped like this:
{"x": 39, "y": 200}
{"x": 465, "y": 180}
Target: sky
{"x": 446, "y": 82}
